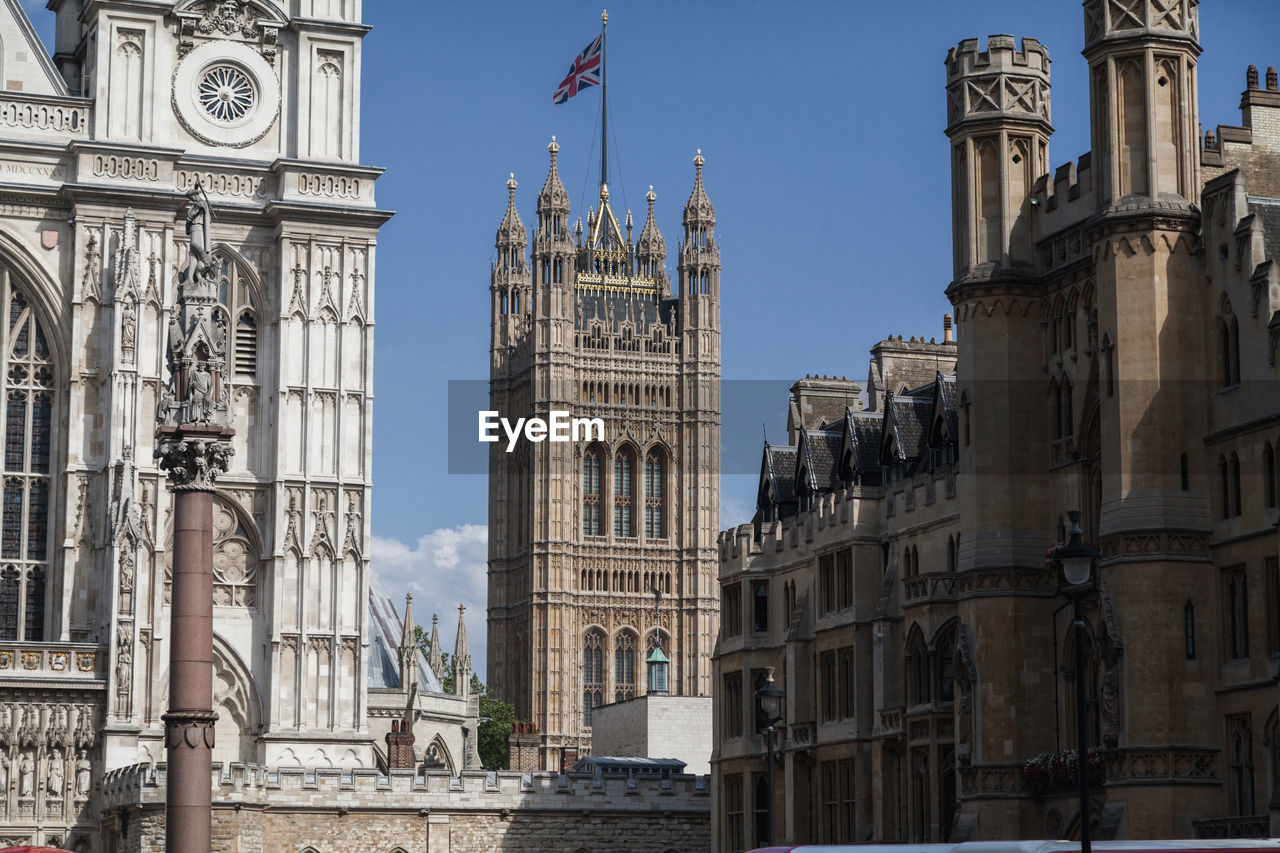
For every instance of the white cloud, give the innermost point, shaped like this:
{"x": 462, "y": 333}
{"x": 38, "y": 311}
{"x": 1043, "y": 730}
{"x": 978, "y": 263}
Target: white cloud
{"x": 442, "y": 569}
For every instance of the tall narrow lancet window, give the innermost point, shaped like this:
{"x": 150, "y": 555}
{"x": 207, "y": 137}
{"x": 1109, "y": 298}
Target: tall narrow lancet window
{"x": 655, "y": 470}
{"x": 624, "y": 524}
{"x": 236, "y": 295}
{"x": 592, "y": 673}
{"x": 1269, "y": 475}
{"x": 591, "y": 461}
{"x": 624, "y": 666}
{"x": 28, "y": 438}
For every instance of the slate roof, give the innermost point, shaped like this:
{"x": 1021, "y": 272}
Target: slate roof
{"x": 1268, "y": 212}
{"x": 822, "y": 457}
{"x": 908, "y": 420}
{"x": 778, "y": 468}
{"x": 624, "y": 765}
{"x": 865, "y": 429}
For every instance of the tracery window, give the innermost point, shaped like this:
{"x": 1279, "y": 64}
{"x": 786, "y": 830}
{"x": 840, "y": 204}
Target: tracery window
{"x": 28, "y": 428}
{"x": 234, "y": 561}
{"x": 624, "y": 666}
{"x": 592, "y": 673}
{"x": 591, "y": 492}
{"x": 655, "y": 469}
{"x": 624, "y": 524}
{"x": 235, "y": 293}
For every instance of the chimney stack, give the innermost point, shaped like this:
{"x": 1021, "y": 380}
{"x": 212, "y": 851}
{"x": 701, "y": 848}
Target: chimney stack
{"x": 947, "y": 336}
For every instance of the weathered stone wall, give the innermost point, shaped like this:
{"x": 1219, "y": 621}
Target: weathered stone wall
{"x": 261, "y": 811}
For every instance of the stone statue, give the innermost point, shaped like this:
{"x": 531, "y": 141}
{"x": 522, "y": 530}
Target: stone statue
{"x": 4, "y": 777}
{"x": 200, "y": 394}
{"x": 56, "y": 780}
{"x": 199, "y": 215}
{"x": 128, "y": 327}
{"x": 124, "y": 675}
{"x": 84, "y": 774}
{"x": 26, "y": 776}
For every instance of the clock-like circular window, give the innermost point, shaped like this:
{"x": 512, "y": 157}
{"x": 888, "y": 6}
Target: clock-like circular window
{"x": 226, "y": 93}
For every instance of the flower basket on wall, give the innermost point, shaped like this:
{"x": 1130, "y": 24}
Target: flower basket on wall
{"x": 1052, "y": 772}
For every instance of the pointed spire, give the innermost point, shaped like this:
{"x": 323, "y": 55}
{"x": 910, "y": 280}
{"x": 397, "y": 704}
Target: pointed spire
{"x": 553, "y": 197}
{"x": 461, "y": 657}
{"x": 435, "y": 658}
{"x": 651, "y": 242}
{"x": 699, "y": 209}
{"x": 511, "y": 230}
{"x": 408, "y": 649}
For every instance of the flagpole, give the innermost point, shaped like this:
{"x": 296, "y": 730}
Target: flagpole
{"x": 604, "y": 100}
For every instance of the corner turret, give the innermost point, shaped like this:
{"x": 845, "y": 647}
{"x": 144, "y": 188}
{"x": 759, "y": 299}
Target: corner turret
{"x": 1142, "y": 94}
{"x": 699, "y": 251}
{"x": 553, "y": 202}
{"x": 998, "y": 123}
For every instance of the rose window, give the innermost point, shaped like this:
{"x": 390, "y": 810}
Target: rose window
{"x": 226, "y": 93}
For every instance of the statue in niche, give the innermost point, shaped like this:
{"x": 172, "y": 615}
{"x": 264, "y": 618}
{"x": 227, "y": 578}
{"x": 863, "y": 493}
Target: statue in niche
{"x": 56, "y": 781}
{"x": 4, "y": 777}
{"x": 84, "y": 774}
{"x": 26, "y": 777}
{"x": 124, "y": 675}
{"x": 128, "y": 328}
{"x": 200, "y": 394}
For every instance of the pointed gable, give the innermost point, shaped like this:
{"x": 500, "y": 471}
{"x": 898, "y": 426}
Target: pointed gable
{"x": 25, "y": 65}
{"x": 776, "y": 494}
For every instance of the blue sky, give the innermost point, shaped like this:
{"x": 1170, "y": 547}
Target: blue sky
{"x": 822, "y": 127}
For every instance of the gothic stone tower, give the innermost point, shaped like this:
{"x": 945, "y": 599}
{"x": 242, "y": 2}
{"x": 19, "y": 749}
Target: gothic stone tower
{"x": 582, "y": 534}
{"x": 1081, "y": 357}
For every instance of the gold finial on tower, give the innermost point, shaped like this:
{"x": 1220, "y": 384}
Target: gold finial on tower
{"x": 604, "y": 16}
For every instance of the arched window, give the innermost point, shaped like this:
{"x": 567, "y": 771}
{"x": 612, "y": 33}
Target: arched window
{"x": 1091, "y": 675}
{"x": 624, "y": 465}
{"x": 655, "y": 470}
{"x": 951, "y": 554}
{"x": 236, "y": 295}
{"x": 1186, "y": 473}
{"x": 1269, "y": 475}
{"x": 624, "y": 666}
{"x": 592, "y": 673}
{"x": 28, "y": 439}
{"x": 591, "y": 463}
{"x": 1224, "y": 476}
{"x": 1189, "y": 629}
{"x": 917, "y": 660}
{"x": 1055, "y": 393}
{"x": 1235, "y": 485}
{"x": 945, "y": 664}
{"x": 1068, "y": 408}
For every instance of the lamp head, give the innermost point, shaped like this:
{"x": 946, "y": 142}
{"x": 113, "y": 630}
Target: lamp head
{"x": 769, "y": 699}
{"x": 1076, "y": 557}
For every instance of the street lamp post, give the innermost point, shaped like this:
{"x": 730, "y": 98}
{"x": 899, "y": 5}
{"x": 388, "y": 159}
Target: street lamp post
{"x": 768, "y": 714}
{"x": 1077, "y": 561}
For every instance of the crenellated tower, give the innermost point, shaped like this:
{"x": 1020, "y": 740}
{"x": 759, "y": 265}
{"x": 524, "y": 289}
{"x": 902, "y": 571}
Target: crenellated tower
{"x": 583, "y": 532}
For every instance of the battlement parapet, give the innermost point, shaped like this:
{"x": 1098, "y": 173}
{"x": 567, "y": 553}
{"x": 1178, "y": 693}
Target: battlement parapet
{"x": 999, "y": 83}
{"x": 361, "y": 788}
{"x": 968, "y": 59}
{"x": 1106, "y": 21}
{"x": 852, "y": 513}
{"x": 1064, "y": 199}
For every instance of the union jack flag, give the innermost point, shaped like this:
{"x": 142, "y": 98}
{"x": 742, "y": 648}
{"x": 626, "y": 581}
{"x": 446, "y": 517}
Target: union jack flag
{"x": 584, "y": 72}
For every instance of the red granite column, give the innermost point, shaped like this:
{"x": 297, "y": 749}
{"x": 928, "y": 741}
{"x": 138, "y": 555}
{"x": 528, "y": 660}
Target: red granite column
{"x": 193, "y": 445}
{"x": 189, "y": 722}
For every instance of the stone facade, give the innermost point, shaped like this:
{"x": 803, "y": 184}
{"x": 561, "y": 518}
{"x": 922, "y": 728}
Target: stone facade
{"x": 584, "y": 534}
{"x": 1118, "y": 325}
{"x": 654, "y": 726}
{"x": 139, "y": 104}
{"x": 326, "y": 811}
